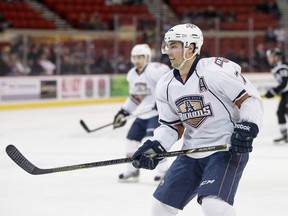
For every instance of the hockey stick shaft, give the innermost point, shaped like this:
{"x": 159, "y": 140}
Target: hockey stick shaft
{"x": 88, "y": 130}
{"x": 26, "y": 165}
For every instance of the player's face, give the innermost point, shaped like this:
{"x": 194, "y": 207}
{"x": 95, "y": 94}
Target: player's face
{"x": 272, "y": 59}
{"x": 174, "y": 49}
{"x": 139, "y": 61}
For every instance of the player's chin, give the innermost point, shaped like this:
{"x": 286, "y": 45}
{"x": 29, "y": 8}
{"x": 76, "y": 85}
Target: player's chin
{"x": 173, "y": 64}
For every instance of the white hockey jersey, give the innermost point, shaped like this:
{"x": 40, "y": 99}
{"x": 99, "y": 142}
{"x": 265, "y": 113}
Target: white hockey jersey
{"x": 142, "y": 89}
{"x": 280, "y": 73}
{"x": 207, "y": 105}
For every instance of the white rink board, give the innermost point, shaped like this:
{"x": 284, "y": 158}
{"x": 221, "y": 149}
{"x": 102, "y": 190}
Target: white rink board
{"x": 51, "y": 137}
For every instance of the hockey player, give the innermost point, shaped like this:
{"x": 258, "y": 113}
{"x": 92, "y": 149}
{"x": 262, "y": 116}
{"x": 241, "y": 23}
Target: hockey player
{"x": 211, "y": 103}
{"x": 142, "y": 79}
{"x": 280, "y": 72}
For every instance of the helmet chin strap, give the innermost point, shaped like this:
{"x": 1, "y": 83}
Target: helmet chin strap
{"x": 184, "y": 60}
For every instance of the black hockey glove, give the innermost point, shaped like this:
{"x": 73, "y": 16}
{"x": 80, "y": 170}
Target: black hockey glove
{"x": 142, "y": 157}
{"x": 242, "y": 137}
{"x": 270, "y": 93}
{"x": 119, "y": 120}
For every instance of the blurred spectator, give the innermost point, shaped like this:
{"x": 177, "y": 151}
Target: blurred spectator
{"x": 79, "y": 66}
{"x": 4, "y": 24}
{"x": 127, "y": 2}
{"x": 95, "y": 22}
{"x": 83, "y": 22}
{"x": 123, "y": 65}
{"x": 116, "y": 2}
{"x": 5, "y": 69}
{"x": 231, "y": 55}
{"x": 66, "y": 66}
{"x": 36, "y": 68}
{"x": 243, "y": 60}
{"x": 34, "y": 52}
{"x": 280, "y": 34}
{"x": 210, "y": 14}
{"x": 260, "y": 62}
{"x": 48, "y": 66}
{"x": 102, "y": 64}
{"x": 17, "y": 45}
{"x": 229, "y": 17}
{"x": 274, "y": 10}
{"x": 50, "y": 55}
{"x": 17, "y": 67}
{"x": 262, "y": 7}
{"x": 187, "y": 16}
{"x": 269, "y": 7}
{"x": 269, "y": 35}
{"x": 149, "y": 33}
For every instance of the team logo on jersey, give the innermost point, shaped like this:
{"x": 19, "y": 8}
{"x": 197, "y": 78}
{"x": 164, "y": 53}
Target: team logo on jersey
{"x": 141, "y": 89}
{"x": 139, "y": 92}
{"x": 193, "y": 110}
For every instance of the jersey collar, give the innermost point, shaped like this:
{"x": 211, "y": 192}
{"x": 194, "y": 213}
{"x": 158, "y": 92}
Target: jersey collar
{"x": 191, "y": 71}
{"x": 138, "y": 72}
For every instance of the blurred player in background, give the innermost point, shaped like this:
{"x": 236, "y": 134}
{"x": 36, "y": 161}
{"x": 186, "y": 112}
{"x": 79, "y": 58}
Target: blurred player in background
{"x": 142, "y": 79}
{"x": 211, "y": 103}
{"x": 280, "y": 72}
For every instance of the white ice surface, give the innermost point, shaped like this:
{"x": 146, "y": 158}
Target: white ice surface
{"x": 52, "y": 137}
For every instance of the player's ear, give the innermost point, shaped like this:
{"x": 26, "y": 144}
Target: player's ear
{"x": 191, "y": 49}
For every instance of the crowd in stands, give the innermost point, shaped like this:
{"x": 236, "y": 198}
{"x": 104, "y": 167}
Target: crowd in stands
{"x": 269, "y": 7}
{"x": 47, "y": 59}
{"x": 206, "y": 17}
{"x": 94, "y": 22}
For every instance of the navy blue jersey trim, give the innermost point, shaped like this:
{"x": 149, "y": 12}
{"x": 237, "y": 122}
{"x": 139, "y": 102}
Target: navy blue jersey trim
{"x": 169, "y": 123}
{"x": 167, "y": 89}
{"x": 239, "y": 95}
{"x": 191, "y": 71}
{"x": 170, "y": 126}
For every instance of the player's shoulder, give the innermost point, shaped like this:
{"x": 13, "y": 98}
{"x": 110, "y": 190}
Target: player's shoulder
{"x": 166, "y": 78}
{"x": 279, "y": 67}
{"x": 219, "y": 63}
{"x": 216, "y": 65}
{"x": 158, "y": 66}
{"x": 131, "y": 72}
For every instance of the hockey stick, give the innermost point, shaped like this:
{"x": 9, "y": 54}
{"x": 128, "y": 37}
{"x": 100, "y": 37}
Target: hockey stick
{"x": 88, "y": 130}
{"x": 99, "y": 128}
{"x": 26, "y": 165}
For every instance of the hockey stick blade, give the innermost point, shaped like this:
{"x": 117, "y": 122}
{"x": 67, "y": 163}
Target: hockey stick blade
{"x": 88, "y": 130}
{"x": 26, "y": 165}
{"x": 84, "y": 126}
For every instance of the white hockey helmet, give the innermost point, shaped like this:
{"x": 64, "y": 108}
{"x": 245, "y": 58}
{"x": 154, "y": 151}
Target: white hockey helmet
{"x": 274, "y": 52}
{"x": 141, "y": 49}
{"x": 186, "y": 33}
{"x": 274, "y": 55}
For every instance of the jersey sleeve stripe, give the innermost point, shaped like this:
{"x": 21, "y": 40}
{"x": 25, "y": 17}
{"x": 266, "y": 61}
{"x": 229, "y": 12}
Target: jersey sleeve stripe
{"x": 169, "y": 123}
{"x": 240, "y": 98}
{"x": 136, "y": 100}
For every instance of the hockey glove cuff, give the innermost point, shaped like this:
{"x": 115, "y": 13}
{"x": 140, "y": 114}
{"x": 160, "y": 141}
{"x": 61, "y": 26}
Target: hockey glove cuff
{"x": 119, "y": 119}
{"x": 144, "y": 158}
{"x": 242, "y": 137}
{"x": 270, "y": 93}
